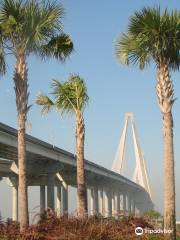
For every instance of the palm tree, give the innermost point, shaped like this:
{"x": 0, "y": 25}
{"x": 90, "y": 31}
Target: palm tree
{"x": 155, "y": 36}
{"x": 2, "y": 55}
{"x": 30, "y": 27}
{"x": 71, "y": 97}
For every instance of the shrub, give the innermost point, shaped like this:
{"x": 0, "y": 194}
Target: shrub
{"x": 51, "y": 227}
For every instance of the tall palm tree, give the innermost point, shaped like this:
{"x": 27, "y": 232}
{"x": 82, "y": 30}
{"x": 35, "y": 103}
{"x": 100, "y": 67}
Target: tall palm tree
{"x": 71, "y": 97}
{"x": 155, "y": 36}
{"x": 2, "y": 56}
{"x": 30, "y": 27}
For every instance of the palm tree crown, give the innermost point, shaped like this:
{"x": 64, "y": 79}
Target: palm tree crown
{"x": 70, "y": 96}
{"x": 151, "y": 36}
{"x": 32, "y": 27}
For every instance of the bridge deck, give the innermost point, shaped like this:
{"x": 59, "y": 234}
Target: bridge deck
{"x": 44, "y": 159}
{"x": 49, "y": 158}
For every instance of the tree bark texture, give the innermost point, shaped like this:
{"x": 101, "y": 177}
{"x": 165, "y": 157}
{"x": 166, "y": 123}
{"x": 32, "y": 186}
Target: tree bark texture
{"x": 21, "y": 91}
{"x": 81, "y": 183}
{"x": 165, "y": 95}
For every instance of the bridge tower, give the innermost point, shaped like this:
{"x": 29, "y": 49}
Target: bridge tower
{"x": 140, "y": 175}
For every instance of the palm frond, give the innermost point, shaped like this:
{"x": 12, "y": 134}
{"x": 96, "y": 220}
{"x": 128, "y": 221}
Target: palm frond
{"x": 144, "y": 21}
{"x": 130, "y": 51}
{"x": 71, "y": 95}
{"x": 11, "y": 19}
{"x": 79, "y": 89}
{"x": 11, "y": 8}
{"x": 43, "y": 20}
{"x": 64, "y": 99}
{"x": 151, "y": 36}
{"x": 59, "y": 47}
{"x": 27, "y": 25}
{"x": 45, "y": 102}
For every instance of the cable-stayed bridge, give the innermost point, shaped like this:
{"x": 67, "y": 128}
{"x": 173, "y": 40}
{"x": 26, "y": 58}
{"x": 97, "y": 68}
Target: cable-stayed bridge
{"x": 140, "y": 175}
{"x": 54, "y": 170}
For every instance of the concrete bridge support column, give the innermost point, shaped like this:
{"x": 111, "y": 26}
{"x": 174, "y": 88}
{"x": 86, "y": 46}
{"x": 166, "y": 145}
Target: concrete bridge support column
{"x": 15, "y": 203}
{"x": 91, "y": 201}
{"x": 121, "y": 203}
{"x": 106, "y": 210}
{"x": 65, "y": 198}
{"x": 133, "y": 207}
{"x": 115, "y": 204}
{"x": 101, "y": 202}
{"x": 42, "y": 199}
{"x": 58, "y": 201}
{"x": 108, "y": 203}
{"x": 94, "y": 201}
{"x": 129, "y": 204}
{"x": 124, "y": 203}
{"x": 113, "y": 197}
{"x": 50, "y": 191}
{"x": 118, "y": 204}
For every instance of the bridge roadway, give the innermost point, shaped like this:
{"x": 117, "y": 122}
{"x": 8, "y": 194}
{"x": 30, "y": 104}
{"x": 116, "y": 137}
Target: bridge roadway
{"x": 52, "y": 168}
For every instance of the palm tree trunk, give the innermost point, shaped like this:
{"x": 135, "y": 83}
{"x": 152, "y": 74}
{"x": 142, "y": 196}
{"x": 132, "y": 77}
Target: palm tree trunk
{"x": 21, "y": 90}
{"x": 165, "y": 97}
{"x": 81, "y": 184}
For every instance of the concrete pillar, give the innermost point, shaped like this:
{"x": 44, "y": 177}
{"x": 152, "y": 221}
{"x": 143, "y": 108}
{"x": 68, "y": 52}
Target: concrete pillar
{"x": 133, "y": 207}
{"x": 118, "y": 205}
{"x": 91, "y": 201}
{"x": 94, "y": 201}
{"x": 101, "y": 202}
{"x": 65, "y": 199}
{"x": 42, "y": 199}
{"x": 129, "y": 204}
{"x": 106, "y": 210}
{"x": 58, "y": 201}
{"x": 124, "y": 203}
{"x": 14, "y": 203}
{"x": 113, "y": 204}
{"x": 108, "y": 203}
{"x": 50, "y": 191}
{"x": 121, "y": 203}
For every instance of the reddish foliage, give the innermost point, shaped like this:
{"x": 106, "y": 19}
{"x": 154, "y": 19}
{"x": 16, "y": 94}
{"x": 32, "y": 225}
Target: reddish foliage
{"x": 70, "y": 228}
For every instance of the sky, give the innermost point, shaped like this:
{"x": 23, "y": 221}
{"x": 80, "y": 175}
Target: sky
{"x": 113, "y": 89}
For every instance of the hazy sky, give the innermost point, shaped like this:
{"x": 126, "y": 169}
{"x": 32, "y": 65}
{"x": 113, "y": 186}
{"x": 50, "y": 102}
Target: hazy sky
{"x": 113, "y": 90}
